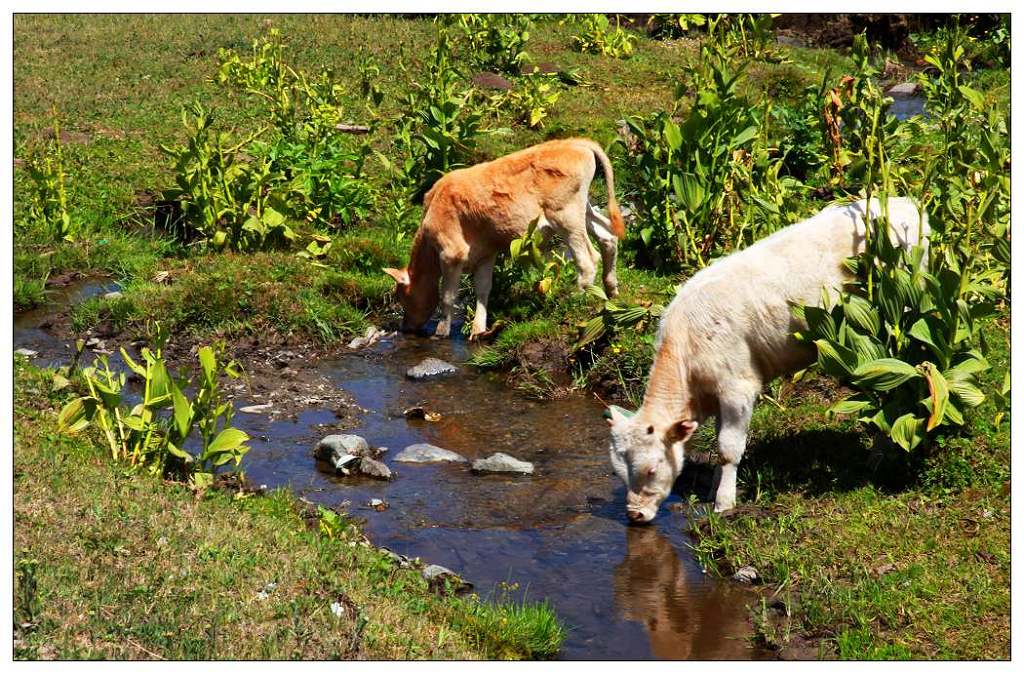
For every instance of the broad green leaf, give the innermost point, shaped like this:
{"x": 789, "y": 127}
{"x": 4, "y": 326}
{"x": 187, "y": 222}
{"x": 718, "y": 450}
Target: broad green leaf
{"x": 939, "y": 394}
{"x": 208, "y": 362}
{"x": 76, "y": 415}
{"x": 820, "y": 324}
{"x": 134, "y": 422}
{"x": 272, "y": 218}
{"x": 860, "y": 312}
{"x": 883, "y": 374}
{"x": 849, "y": 406}
{"x": 975, "y": 97}
{"x": 689, "y": 190}
{"x": 227, "y": 440}
{"x": 182, "y": 412}
{"x": 592, "y": 331}
{"x": 180, "y": 453}
{"x": 136, "y": 368}
{"x": 835, "y": 359}
{"x": 969, "y": 394}
{"x": 743, "y": 136}
{"x": 907, "y": 431}
{"x": 673, "y": 135}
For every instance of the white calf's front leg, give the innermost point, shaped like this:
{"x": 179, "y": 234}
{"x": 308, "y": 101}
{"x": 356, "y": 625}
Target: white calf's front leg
{"x": 598, "y": 226}
{"x": 450, "y": 275}
{"x": 482, "y": 285}
{"x": 733, "y": 422}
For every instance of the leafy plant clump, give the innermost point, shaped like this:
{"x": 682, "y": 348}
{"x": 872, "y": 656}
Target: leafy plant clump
{"x": 495, "y": 42}
{"x": 252, "y": 194}
{"x": 48, "y": 197}
{"x": 153, "y": 433}
{"x": 597, "y": 35}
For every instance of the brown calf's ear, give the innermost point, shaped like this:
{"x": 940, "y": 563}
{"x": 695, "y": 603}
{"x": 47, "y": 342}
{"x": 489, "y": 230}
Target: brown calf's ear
{"x": 401, "y": 276}
{"x": 680, "y": 431}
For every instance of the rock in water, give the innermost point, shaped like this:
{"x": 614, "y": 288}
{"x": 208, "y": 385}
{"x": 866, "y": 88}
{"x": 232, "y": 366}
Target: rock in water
{"x": 28, "y": 353}
{"x": 426, "y": 453}
{"x": 373, "y": 468}
{"x": 442, "y": 580}
{"x": 341, "y": 450}
{"x": 904, "y": 89}
{"x": 256, "y": 409}
{"x": 502, "y": 463}
{"x": 372, "y": 334}
{"x": 430, "y": 367}
{"x": 114, "y": 295}
{"x": 746, "y": 574}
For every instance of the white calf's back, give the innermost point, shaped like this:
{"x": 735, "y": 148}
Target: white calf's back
{"x": 733, "y": 318}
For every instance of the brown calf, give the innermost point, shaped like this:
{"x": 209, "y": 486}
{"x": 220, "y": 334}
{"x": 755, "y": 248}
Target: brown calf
{"x": 472, "y": 214}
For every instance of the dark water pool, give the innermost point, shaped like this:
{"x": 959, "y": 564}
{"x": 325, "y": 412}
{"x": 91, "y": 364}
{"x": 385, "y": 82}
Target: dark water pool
{"x": 561, "y": 534}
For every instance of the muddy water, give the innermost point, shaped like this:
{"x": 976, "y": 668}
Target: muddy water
{"x": 624, "y": 592}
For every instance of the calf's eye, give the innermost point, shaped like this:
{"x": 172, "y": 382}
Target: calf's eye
{"x": 650, "y": 430}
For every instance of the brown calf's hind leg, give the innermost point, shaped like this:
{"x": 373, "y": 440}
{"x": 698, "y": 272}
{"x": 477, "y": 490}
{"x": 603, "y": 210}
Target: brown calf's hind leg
{"x": 571, "y": 222}
{"x": 599, "y": 226}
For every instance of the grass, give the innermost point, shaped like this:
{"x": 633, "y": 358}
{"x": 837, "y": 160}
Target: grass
{"x": 117, "y": 565}
{"x": 908, "y": 560}
{"x": 826, "y": 542}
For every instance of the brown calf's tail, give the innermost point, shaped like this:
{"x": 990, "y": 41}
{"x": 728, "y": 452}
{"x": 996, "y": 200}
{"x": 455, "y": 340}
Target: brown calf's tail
{"x": 618, "y": 227}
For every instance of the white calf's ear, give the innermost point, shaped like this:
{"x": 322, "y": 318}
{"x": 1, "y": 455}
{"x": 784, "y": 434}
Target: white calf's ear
{"x": 680, "y": 431}
{"x": 401, "y": 276}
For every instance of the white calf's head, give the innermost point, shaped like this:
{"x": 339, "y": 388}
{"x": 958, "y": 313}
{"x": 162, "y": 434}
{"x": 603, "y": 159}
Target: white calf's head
{"x": 648, "y": 456}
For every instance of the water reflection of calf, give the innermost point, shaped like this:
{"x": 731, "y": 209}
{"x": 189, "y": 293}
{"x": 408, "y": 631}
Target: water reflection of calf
{"x": 684, "y": 619}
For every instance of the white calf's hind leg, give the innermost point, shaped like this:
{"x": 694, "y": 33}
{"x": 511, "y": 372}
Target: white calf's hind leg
{"x": 482, "y": 285}
{"x": 451, "y": 272}
{"x": 598, "y": 225}
{"x": 733, "y": 421}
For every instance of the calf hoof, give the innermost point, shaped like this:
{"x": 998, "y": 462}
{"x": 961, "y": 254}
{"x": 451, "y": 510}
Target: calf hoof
{"x": 442, "y": 330}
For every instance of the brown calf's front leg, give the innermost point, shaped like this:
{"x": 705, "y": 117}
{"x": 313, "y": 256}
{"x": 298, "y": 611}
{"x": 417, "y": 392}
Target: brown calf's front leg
{"x": 482, "y": 285}
{"x": 451, "y": 272}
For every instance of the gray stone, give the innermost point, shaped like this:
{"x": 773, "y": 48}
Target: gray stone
{"x": 746, "y": 574}
{"x": 430, "y": 367}
{"x": 373, "y": 468}
{"x": 115, "y": 295}
{"x": 902, "y": 90}
{"x": 256, "y": 409}
{"x": 371, "y": 336}
{"x": 28, "y": 353}
{"x": 444, "y": 580}
{"x": 502, "y": 463}
{"x": 426, "y": 453}
{"x": 342, "y": 451}
{"x": 435, "y": 571}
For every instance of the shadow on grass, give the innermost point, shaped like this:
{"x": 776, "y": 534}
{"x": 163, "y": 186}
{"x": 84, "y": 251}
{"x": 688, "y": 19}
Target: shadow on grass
{"x": 814, "y": 462}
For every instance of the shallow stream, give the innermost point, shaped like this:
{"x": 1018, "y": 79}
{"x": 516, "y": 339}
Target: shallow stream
{"x": 624, "y": 592}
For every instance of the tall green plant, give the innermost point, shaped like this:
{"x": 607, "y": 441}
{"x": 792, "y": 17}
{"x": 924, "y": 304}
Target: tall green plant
{"x": 597, "y": 35}
{"x": 685, "y": 173}
{"x": 906, "y": 333}
{"x": 495, "y": 42}
{"x": 48, "y": 198}
{"x": 440, "y": 123}
{"x": 155, "y": 430}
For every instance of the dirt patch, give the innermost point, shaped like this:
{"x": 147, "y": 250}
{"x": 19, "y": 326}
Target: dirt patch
{"x": 68, "y": 137}
{"x": 542, "y": 368}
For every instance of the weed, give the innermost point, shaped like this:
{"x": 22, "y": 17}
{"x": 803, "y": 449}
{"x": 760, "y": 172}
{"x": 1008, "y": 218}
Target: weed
{"x": 597, "y": 35}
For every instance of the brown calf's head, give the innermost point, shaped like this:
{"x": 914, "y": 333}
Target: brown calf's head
{"x": 418, "y": 301}
{"x": 647, "y": 454}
